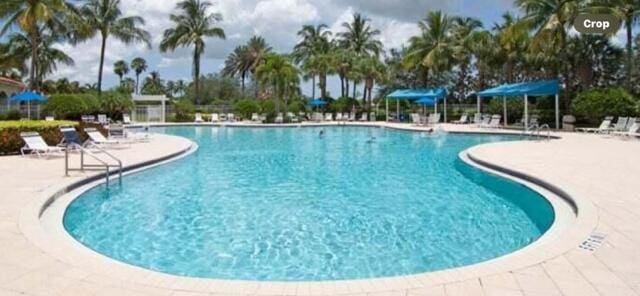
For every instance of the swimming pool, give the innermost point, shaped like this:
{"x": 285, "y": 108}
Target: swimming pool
{"x": 285, "y": 204}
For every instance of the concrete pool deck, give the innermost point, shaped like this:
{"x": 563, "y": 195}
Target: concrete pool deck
{"x": 600, "y": 173}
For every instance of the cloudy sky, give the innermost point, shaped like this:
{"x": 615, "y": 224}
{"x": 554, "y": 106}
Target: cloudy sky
{"x": 276, "y": 20}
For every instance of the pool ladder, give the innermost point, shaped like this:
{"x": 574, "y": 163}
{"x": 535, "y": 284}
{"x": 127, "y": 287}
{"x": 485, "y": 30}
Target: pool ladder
{"x": 103, "y": 165}
{"x": 537, "y": 130}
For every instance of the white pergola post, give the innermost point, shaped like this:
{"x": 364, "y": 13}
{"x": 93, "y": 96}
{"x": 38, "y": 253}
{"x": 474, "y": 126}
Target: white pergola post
{"x": 387, "y": 108}
{"x": 445, "y": 109}
{"x": 557, "y": 111}
{"x": 504, "y": 107}
{"x": 398, "y": 109}
{"x": 435, "y": 107}
{"x": 526, "y": 113}
{"x": 478, "y": 102}
{"x": 164, "y": 111}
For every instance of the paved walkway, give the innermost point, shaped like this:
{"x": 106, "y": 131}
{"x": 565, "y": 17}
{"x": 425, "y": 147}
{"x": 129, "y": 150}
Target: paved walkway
{"x": 600, "y": 173}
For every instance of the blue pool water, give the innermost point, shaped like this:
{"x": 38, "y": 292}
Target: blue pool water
{"x": 284, "y": 204}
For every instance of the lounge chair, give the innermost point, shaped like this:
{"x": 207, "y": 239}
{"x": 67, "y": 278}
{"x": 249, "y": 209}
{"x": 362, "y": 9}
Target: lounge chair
{"x": 70, "y": 137}
{"x": 494, "y": 122}
{"x": 198, "y": 118}
{"x": 415, "y": 118}
{"x": 215, "y": 117}
{"x": 363, "y": 117}
{"x": 126, "y": 119}
{"x": 118, "y": 131}
{"x": 338, "y": 116}
{"x": 231, "y": 117}
{"x": 485, "y": 121}
{"x": 352, "y": 116}
{"x": 96, "y": 139}
{"x": 633, "y": 131}
{"x": 630, "y": 122}
{"x": 34, "y": 143}
{"x": 103, "y": 119}
{"x": 464, "y": 118}
{"x": 621, "y": 124}
{"x": 328, "y": 117}
{"x": 434, "y": 118}
{"x": 279, "y": 118}
{"x": 604, "y": 127}
{"x": 292, "y": 117}
{"x": 88, "y": 118}
{"x": 49, "y": 118}
{"x": 477, "y": 119}
{"x": 255, "y": 117}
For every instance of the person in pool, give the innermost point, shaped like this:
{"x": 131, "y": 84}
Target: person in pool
{"x": 371, "y": 140}
{"x": 321, "y": 134}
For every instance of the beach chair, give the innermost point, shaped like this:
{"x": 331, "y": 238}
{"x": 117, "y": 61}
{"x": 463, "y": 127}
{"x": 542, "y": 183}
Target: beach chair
{"x": 434, "y": 118}
{"x": 49, "y": 118}
{"x": 352, "y": 116}
{"x": 363, "y": 117}
{"x": 215, "y": 117}
{"x": 70, "y": 137}
{"x": 415, "y": 119}
{"x": 477, "y": 118}
{"x": 96, "y": 139}
{"x": 279, "y": 118}
{"x": 633, "y": 131}
{"x": 630, "y": 122}
{"x": 88, "y": 118}
{"x": 231, "y": 117}
{"x": 463, "y": 119}
{"x": 34, "y": 143}
{"x": 292, "y": 117}
{"x": 103, "y": 119}
{"x": 255, "y": 117}
{"x": 494, "y": 122}
{"x": 328, "y": 117}
{"x": 126, "y": 119}
{"x": 198, "y": 118}
{"x": 485, "y": 121}
{"x": 338, "y": 116}
{"x": 604, "y": 127}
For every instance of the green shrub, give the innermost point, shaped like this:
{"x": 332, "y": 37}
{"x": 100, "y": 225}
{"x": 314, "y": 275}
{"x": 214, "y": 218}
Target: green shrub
{"x": 184, "y": 111}
{"x": 297, "y": 106}
{"x": 593, "y": 105}
{"x": 12, "y": 115}
{"x": 71, "y": 106}
{"x": 268, "y": 107}
{"x": 11, "y": 142}
{"x": 515, "y": 108}
{"x": 246, "y": 107}
{"x": 114, "y": 104}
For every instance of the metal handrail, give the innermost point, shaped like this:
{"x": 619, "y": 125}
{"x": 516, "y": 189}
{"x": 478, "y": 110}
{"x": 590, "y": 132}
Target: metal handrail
{"x": 542, "y": 127}
{"x": 104, "y": 165}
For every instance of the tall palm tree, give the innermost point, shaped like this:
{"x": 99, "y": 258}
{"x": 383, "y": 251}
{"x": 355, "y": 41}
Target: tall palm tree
{"x": 170, "y": 88}
{"x": 314, "y": 42}
{"x": 432, "y": 50}
{"x": 629, "y": 11}
{"x": 372, "y": 70}
{"x": 464, "y": 39}
{"x": 30, "y": 16}
{"x": 485, "y": 51}
{"x": 153, "y": 85}
{"x": 279, "y": 73}
{"x": 236, "y": 65}
{"x": 360, "y": 37}
{"x": 192, "y": 26}
{"x": 121, "y": 68}
{"x": 105, "y": 18}
{"x": 514, "y": 41}
{"x": 181, "y": 87}
{"x": 138, "y": 65}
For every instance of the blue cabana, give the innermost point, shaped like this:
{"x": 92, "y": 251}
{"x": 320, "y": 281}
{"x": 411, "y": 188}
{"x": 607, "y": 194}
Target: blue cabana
{"x": 525, "y": 89}
{"x": 28, "y": 96}
{"x": 429, "y": 96}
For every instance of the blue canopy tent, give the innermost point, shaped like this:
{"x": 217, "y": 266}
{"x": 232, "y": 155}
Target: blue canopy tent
{"x": 28, "y": 96}
{"x": 317, "y": 103}
{"x": 526, "y": 89}
{"x": 429, "y": 96}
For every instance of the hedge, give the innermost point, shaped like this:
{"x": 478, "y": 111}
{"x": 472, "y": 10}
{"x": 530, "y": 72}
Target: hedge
{"x": 593, "y": 105}
{"x": 11, "y": 142}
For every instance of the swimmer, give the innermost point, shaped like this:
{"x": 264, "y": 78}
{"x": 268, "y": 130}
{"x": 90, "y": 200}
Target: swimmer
{"x": 321, "y": 134}
{"x": 371, "y": 140}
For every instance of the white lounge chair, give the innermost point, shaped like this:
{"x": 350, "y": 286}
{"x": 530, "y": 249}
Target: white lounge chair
{"x": 96, "y": 139}
{"x": 292, "y": 117}
{"x": 477, "y": 119}
{"x": 231, "y": 117}
{"x": 49, "y": 118}
{"x": 621, "y": 124}
{"x": 328, "y": 117}
{"x": 215, "y": 117}
{"x": 279, "y": 118}
{"x": 485, "y": 121}
{"x": 338, "y": 116}
{"x": 434, "y": 118}
{"x": 198, "y": 118}
{"x": 34, "y": 143}
{"x": 604, "y": 127}
{"x": 631, "y": 121}
{"x": 633, "y": 131}
{"x": 255, "y": 117}
{"x": 415, "y": 118}
{"x": 352, "y": 116}
{"x": 103, "y": 119}
{"x": 363, "y": 117}
{"x": 494, "y": 122}
{"x": 126, "y": 119}
{"x": 464, "y": 118}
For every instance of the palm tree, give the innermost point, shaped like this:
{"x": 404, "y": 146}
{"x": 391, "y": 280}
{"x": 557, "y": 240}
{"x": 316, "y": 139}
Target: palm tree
{"x": 485, "y": 51}
{"x": 181, "y": 87}
{"x": 138, "y": 65}
{"x": 629, "y": 11}
{"x": 280, "y": 75}
{"x": 514, "y": 40}
{"x": 236, "y": 65}
{"x": 121, "y": 68}
{"x": 360, "y": 37}
{"x": 153, "y": 85}
{"x": 105, "y": 17}
{"x": 314, "y": 41}
{"x": 19, "y": 48}
{"x": 257, "y": 51}
{"x": 192, "y": 26}
{"x": 372, "y": 70}
{"x": 30, "y": 17}
{"x": 432, "y": 50}
{"x": 464, "y": 38}
{"x": 170, "y": 88}
{"x": 127, "y": 85}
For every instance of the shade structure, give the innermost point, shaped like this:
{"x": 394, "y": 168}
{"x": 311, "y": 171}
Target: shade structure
{"x": 317, "y": 103}
{"x": 28, "y": 96}
{"x": 525, "y": 89}
{"x": 426, "y": 102}
{"x": 415, "y": 95}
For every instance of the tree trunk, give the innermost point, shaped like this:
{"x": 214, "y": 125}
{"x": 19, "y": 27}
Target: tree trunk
{"x": 370, "y": 100}
{"x": 34, "y": 59}
{"x": 137, "y": 83}
{"x": 102, "y": 49}
{"x": 354, "y": 89}
{"x": 341, "y": 85}
{"x": 323, "y": 85}
{"x": 313, "y": 87}
{"x": 629, "y": 24}
{"x": 196, "y": 73}
{"x": 244, "y": 74}
{"x": 346, "y": 87}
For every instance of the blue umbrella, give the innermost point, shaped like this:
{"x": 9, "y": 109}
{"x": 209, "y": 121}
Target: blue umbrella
{"x": 28, "y": 96}
{"x": 317, "y": 103}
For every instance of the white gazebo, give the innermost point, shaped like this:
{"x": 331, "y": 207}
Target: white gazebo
{"x": 153, "y": 108}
